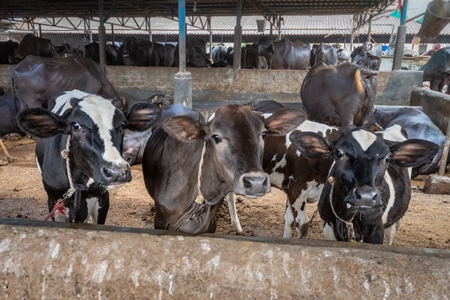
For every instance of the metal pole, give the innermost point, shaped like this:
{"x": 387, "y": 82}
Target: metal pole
{"x": 183, "y": 79}
{"x": 369, "y": 32}
{"x": 238, "y": 38}
{"x": 210, "y": 39}
{"x": 102, "y": 37}
{"x": 279, "y": 27}
{"x": 400, "y": 41}
{"x": 113, "y": 37}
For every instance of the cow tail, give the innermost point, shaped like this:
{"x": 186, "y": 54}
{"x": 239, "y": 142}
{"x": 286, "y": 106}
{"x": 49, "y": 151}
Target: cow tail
{"x": 359, "y": 86}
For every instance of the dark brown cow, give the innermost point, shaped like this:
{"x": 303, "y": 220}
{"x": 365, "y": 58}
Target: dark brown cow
{"x": 435, "y": 70}
{"x": 284, "y": 54}
{"x": 32, "y": 45}
{"x": 36, "y": 79}
{"x": 368, "y": 56}
{"x": 189, "y": 167}
{"x": 339, "y": 95}
{"x": 7, "y": 51}
{"x": 324, "y": 53}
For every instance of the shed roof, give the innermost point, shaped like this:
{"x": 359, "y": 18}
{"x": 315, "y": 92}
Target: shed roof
{"x": 292, "y": 25}
{"x": 169, "y": 8}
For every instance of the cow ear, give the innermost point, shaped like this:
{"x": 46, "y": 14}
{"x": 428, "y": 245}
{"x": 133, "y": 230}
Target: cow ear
{"x": 184, "y": 129}
{"x": 311, "y": 144}
{"x": 40, "y": 122}
{"x": 142, "y": 115}
{"x": 285, "y": 120}
{"x": 413, "y": 152}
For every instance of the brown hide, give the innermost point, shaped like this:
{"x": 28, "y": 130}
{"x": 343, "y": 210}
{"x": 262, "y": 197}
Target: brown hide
{"x": 36, "y": 79}
{"x": 32, "y": 45}
{"x": 339, "y": 95}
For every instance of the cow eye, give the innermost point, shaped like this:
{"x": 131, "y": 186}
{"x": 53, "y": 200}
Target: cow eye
{"x": 338, "y": 153}
{"x": 216, "y": 138}
{"x": 76, "y": 126}
{"x": 264, "y": 134}
{"x": 388, "y": 158}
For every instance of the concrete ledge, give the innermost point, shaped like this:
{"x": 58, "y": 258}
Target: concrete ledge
{"x": 213, "y": 84}
{"x": 435, "y": 104}
{"x": 50, "y": 260}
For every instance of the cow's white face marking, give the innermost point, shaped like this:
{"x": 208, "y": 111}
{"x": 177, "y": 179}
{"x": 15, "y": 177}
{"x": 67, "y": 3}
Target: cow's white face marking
{"x": 62, "y": 103}
{"x": 364, "y": 138}
{"x": 394, "y": 133}
{"x": 102, "y": 112}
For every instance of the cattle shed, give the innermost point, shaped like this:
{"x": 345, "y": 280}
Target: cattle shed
{"x": 52, "y": 260}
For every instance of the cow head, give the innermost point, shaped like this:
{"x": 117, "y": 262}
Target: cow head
{"x": 96, "y": 129}
{"x": 196, "y": 57}
{"x": 363, "y": 55}
{"x": 361, "y": 159}
{"x": 233, "y": 141}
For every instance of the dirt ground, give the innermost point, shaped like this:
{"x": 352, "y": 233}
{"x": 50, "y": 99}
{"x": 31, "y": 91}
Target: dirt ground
{"x": 426, "y": 224}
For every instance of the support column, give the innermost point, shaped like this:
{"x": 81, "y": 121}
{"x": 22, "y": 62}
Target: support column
{"x": 399, "y": 45}
{"x": 113, "y": 36}
{"x": 210, "y": 39}
{"x": 183, "y": 79}
{"x": 238, "y": 38}
{"x": 102, "y": 37}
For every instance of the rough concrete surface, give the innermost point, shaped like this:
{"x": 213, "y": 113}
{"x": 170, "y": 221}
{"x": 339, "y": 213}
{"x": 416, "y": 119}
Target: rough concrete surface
{"x": 47, "y": 260}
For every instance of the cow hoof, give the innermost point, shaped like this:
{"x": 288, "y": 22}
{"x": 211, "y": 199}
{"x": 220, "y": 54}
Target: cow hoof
{"x": 304, "y": 231}
{"x": 4, "y": 162}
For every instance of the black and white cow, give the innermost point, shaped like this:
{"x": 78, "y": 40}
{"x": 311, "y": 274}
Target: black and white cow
{"x": 298, "y": 176}
{"x": 88, "y": 130}
{"x": 189, "y": 166}
{"x": 368, "y": 188}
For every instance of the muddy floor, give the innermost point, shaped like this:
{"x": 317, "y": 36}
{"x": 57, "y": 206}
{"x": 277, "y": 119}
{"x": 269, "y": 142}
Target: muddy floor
{"x": 426, "y": 224}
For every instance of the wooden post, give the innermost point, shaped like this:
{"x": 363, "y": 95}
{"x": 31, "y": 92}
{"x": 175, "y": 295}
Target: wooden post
{"x": 443, "y": 162}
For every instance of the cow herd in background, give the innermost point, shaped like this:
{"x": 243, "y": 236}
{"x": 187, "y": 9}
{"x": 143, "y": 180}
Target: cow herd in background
{"x": 341, "y": 150}
{"x": 267, "y": 53}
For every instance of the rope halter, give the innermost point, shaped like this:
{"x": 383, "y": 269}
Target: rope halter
{"x": 348, "y": 224}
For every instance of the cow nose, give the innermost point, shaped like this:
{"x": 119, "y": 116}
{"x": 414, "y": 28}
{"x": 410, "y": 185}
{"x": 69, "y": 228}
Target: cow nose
{"x": 367, "y": 197}
{"x": 253, "y": 184}
{"x": 117, "y": 173}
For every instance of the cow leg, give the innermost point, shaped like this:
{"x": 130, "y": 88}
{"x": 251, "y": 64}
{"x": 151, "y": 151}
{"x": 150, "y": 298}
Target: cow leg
{"x": 328, "y": 232}
{"x": 100, "y": 211}
{"x": 10, "y": 158}
{"x": 231, "y": 200}
{"x": 288, "y": 220}
{"x": 390, "y": 232}
{"x": 296, "y": 215}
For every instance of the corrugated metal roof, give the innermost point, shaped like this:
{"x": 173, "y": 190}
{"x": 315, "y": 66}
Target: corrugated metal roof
{"x": 169, "y": 8}
{"x": 291, "y": 25}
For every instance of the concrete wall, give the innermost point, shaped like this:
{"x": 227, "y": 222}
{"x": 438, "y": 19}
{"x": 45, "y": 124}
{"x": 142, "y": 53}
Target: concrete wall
{"x": 49, "y": 260}
{"x": 435, "y": 104}
{"x": 220, "y": 84}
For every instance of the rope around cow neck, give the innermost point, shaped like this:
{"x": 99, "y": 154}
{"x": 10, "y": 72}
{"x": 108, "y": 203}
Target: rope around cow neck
{"x": 59, "y": 205}
{"x": 65, "y": 155}
{"x": 200, "y": 199}
{"x": 349, "y": 224}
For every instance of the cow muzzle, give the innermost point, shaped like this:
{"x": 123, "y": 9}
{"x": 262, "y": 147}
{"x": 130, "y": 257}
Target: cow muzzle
{"x": 252, "y": 184}
{"x": 363, "y": 198}
{"x": 115, "y": 175}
